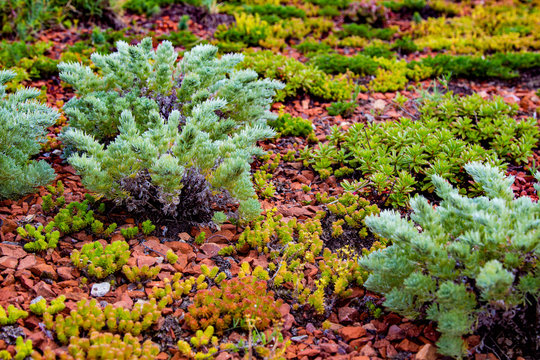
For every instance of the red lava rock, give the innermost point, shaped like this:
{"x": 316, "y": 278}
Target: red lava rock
{"x": 395, "y": 333}
{"x": 26, "y": 281}
{"x": 210, "y": 249}
{"x": 352, "y": 332}
{"x": 27, "y": 262}
{"x": 347, "y": 315}
{"x": 285, "y": 309}
{"x": 411, "y": 330}
{"x": 379, "y": 325}
{"x": 310, "y": 328}
{"x": 224, "y": 356}
{"x": 391, "y": 352}
{"x": 65, "y": 273}
{"x": 8, "y": 226}
{"x": 427, "y": 352}
{"x": 162, "y": 356}
{"x": 430, "y": 333}
{"x": 44, "y": 271}
{"x": 180, "y": 246}
{"x": 145, "y": 260}
{"x": 8, "y": 262}
{"x": 44, "y": 289}
{"x": 309, "y": 352}
{"x": 293, "y": 211}
{"x": 367, "y": 350}
{"x": 155, "y": 244}
{"x": 329, "y": 348}
{"x": 407, "y": 345}
{"x": 288, "y": 321}
{"x": 14, "y": 251}
{"x": 358, "y": 343}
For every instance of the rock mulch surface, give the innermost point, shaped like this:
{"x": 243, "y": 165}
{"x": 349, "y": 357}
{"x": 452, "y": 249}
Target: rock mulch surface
{"x": 352, "y": 333}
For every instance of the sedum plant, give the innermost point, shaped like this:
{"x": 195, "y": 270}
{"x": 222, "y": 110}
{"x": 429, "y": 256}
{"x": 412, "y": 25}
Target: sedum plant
{"x": 99, "y": 261}
{"x": 23, "y": 121}
{"x": 168, "y": 137}
{"x": 466, "y": 263}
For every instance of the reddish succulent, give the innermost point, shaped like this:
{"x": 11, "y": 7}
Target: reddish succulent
{"x": 232, "y": 303}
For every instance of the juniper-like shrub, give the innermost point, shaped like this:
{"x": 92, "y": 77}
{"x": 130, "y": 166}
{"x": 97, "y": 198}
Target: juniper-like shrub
{"x": 167, "y": 138}
{"x": 23, "y": 121}
{"x": 466, "y": 264}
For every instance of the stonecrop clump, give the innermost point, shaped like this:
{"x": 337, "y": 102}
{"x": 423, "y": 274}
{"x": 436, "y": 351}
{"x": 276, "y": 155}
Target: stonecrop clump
{"x": 23, "y": 121}
{"x": 165, "y": 137}
{"x": 466, "y": 264}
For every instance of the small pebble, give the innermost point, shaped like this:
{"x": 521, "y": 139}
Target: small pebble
{"x": 100, "y": 289}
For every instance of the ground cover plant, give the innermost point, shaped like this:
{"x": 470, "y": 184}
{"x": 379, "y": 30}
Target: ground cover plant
{"x": 269, "y": 179}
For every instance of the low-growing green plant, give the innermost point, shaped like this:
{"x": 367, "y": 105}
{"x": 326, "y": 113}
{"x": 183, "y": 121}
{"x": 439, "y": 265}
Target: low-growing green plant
{"x": 200, "y": 238}
{"x": 201, "y": 340}
{"x": 299, "y": 76}
{"x": 181, "y": 38}
{"x": 98, "y": 261}
{"x": 12, "y": 315}
{"x": 248, "y": 29}
{"x": 147, "y": 227}
{"x": 399, "y": 158}
{"x": 287, "y": 125}
{"x": 23, "y": 121}
{"x": 40, "y": 307}
{"x": 137, "y": 274}
{"x": 498, "y": 66}
{"x": 345, "y": 109}
{"x": 89, "y": 316}
{"x": 129, "y": 232}
{"x": 274, "y": 13}
{"x": 366, "y": 31}
{"x": 105, "y": 345}
{"x": 172, "y": 258}
{"x": 263, "y": 184}
{"x": 463, "y": 263}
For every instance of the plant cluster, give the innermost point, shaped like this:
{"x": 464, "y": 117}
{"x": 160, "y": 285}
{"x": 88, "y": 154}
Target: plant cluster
{"x": 24, "y": 19}
{"x": 231, "y": 303}
{"x": 23, "y": 349}
{"x": 99, "y": 262}
{"x": 498, "y": 66}
{"x": 296, "y": 245}
{"x": 28, "y": 60}
{"x": 105, "y": 345}
{"x": 399, "y": 158}
{"x": 274, "y": 13}
{"x": 136, "y": 274}
{"x": 172, "y": 127}
{"x": 202, "y": 339}
{"x": 40, "y": 307}
{"x": 12, "y": 315}
{"x": 494, "y": 27}
{"x": 298, "y": 76}
{"x": 74, "y": 217}
{"x": 287, "y": 125}
{"x": 89, "y": 317}
{"x": 23, "y": 121}
{"x": 463, "y": 262}
{"x": 366, "y": 31}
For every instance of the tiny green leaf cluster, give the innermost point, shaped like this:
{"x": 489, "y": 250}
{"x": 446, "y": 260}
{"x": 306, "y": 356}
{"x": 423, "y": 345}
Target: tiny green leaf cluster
{"x": 89, "y": 316}
{"x": 13, "y": 314}
{"x": 101, "y": 262}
